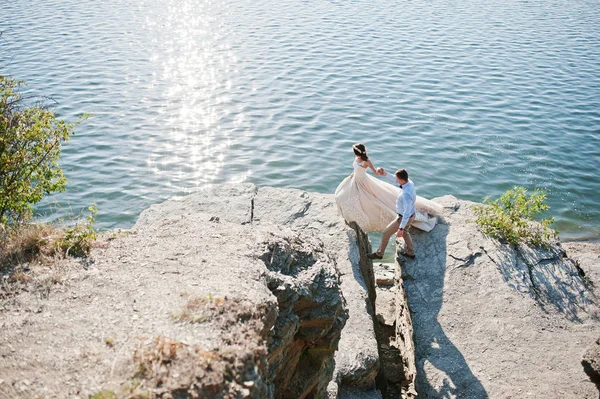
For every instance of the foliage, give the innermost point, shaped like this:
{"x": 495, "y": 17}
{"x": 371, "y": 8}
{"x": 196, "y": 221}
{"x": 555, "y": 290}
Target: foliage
{"x": 30, "y": 143}
{"x": 104, "y": 395}
{"x": 131, "y": 390}
{"x": 78, "y": 239}
{"x": 510, "y": 217}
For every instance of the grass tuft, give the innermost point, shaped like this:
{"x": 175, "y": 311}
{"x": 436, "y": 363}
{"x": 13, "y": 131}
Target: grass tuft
{"x": 31, "y": 243}
{"x": 103, "y": 395}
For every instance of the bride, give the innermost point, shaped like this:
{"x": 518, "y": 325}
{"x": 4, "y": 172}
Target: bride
{"x": 371, "y": 202}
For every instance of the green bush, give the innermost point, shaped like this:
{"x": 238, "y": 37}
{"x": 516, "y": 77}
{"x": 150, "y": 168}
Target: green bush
{"x": 30, "y": 143}
{"x": 510, "y": 217}
{"x": 79, "y": 238}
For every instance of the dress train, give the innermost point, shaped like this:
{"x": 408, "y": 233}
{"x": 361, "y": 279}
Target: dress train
{"x": 371, "y": 202}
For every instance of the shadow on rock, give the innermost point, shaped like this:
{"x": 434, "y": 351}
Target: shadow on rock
{"x": 442, "y": 371}
{"x": 554, "y": 280}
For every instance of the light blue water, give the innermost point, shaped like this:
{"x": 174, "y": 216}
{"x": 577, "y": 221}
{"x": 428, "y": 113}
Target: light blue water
{"x": 471, "y": 97}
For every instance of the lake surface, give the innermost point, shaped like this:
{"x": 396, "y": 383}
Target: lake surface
{"x": 471, "y": 97}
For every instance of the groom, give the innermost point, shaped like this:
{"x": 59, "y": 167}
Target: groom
{"x": 405, "y": 208}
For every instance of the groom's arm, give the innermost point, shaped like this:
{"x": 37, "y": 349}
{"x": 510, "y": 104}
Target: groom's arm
{"x": 391, "y": 177}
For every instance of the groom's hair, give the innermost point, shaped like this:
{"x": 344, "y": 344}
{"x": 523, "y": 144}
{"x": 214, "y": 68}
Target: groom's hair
{"x": 402, "y": 174}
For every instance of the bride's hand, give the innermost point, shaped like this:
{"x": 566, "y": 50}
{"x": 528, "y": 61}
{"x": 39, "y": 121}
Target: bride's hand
{"x": 380, "y": 171}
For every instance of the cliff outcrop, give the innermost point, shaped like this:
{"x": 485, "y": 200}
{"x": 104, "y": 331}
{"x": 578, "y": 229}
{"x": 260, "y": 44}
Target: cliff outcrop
{"x": 239, "y": 291}
{"x": 234, "y": 291}
{"x": 498, "y": 321}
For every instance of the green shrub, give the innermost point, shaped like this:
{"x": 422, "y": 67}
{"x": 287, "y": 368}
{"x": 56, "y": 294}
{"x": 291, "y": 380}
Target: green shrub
{"x": 103, "y": 395}
{"x": 30, "y": 143}
{"x": 510, "y": 217}
{"x": 79, "y": 238}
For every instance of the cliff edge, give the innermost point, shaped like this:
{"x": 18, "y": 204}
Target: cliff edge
{"x": 497, "y": 321}
{"x": 234, "y": 291}
{"x": 244, "y": 292}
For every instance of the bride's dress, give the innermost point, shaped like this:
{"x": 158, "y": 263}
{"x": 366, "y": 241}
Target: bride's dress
{"x": 371, "y": 202}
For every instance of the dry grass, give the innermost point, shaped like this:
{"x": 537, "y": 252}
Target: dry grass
{"x": 150, "y": 356}
{"x": 199, "y": 309}
{"x": 23, "y": 251}
{"x": 223, "y": 310}
{"x": 35, "y": 243}
{"x": 228, "y": 367}
{"x": 165, "y": 365}
{"x": 104, "y": 395}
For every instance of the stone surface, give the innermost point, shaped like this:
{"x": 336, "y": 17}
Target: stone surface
{"x": 221, "y": 280}
{"x": 397, "y": 372}
{"x": 358, "y": 393}
{"x": 586, "y": 258}
{"x": 357, "y": 360}
{"x": 403, "y": 338}
{"x": 495, "y": 321}
{"x": 384, "y": 274}
{"x": 591, "y": 362}
{"x": 386, "y": 306}
{"x": 162, "y": 294}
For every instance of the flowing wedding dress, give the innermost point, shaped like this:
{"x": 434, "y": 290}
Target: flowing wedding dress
{"x": 371, "y": 202}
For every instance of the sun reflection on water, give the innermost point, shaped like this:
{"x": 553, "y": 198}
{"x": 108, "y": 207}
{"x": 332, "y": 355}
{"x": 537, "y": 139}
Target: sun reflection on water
{"x": 188, "y": 93}
{"x": 195, "y": 69}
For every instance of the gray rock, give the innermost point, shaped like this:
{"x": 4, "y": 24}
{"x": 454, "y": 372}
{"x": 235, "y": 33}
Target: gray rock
{"x": 359, "y": 393}
{"x": 295, "y": 266}
{"x": 585, "y": 257}
{"x": 492, "y": 320}
{"x": 332, "y": 390}
{"x": 384, "y": 279}
{"x": 591, "y": 362}
{"x": 199, "y": 298}
{"x": 403, "y": 343}
{"x": 386, "y": 306}
{"x": 257, "y": 283}
{"x": 226, "y": 202}
{"x": 357, "y": 360}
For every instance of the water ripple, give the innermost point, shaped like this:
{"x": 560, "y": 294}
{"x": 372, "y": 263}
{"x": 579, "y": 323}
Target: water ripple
{"x": 471, "y": 97}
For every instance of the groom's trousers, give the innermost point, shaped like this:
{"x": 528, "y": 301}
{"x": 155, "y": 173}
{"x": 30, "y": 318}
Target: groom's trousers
{"x": 393, "y": 228}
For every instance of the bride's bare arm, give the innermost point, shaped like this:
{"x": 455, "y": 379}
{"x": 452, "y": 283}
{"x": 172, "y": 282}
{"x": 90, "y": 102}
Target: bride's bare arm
{"x": 370, "y": 165}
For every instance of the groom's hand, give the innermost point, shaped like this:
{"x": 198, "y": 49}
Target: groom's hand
{"x": 380, "y": 171}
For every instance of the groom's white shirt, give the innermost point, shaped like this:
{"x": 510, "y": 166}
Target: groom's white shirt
{"x": 405, "y": 203}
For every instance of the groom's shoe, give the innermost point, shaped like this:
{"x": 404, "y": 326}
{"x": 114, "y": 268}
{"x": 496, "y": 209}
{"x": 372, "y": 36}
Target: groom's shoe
{"x": 407, "y": 255}
{"x": 374, "y": 255}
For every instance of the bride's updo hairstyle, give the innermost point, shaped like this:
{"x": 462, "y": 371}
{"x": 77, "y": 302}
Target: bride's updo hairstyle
{"x": 360, "y": 151}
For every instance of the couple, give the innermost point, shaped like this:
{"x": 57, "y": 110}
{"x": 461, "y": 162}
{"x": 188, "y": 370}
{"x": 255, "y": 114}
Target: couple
{"x": 378, "y": 206}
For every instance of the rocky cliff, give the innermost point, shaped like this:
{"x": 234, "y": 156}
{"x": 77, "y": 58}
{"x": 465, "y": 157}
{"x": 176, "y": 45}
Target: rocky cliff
{"x": 234, "y": 291}
{"x": 498, "y": 321}
{"x": 239, "y": 291}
